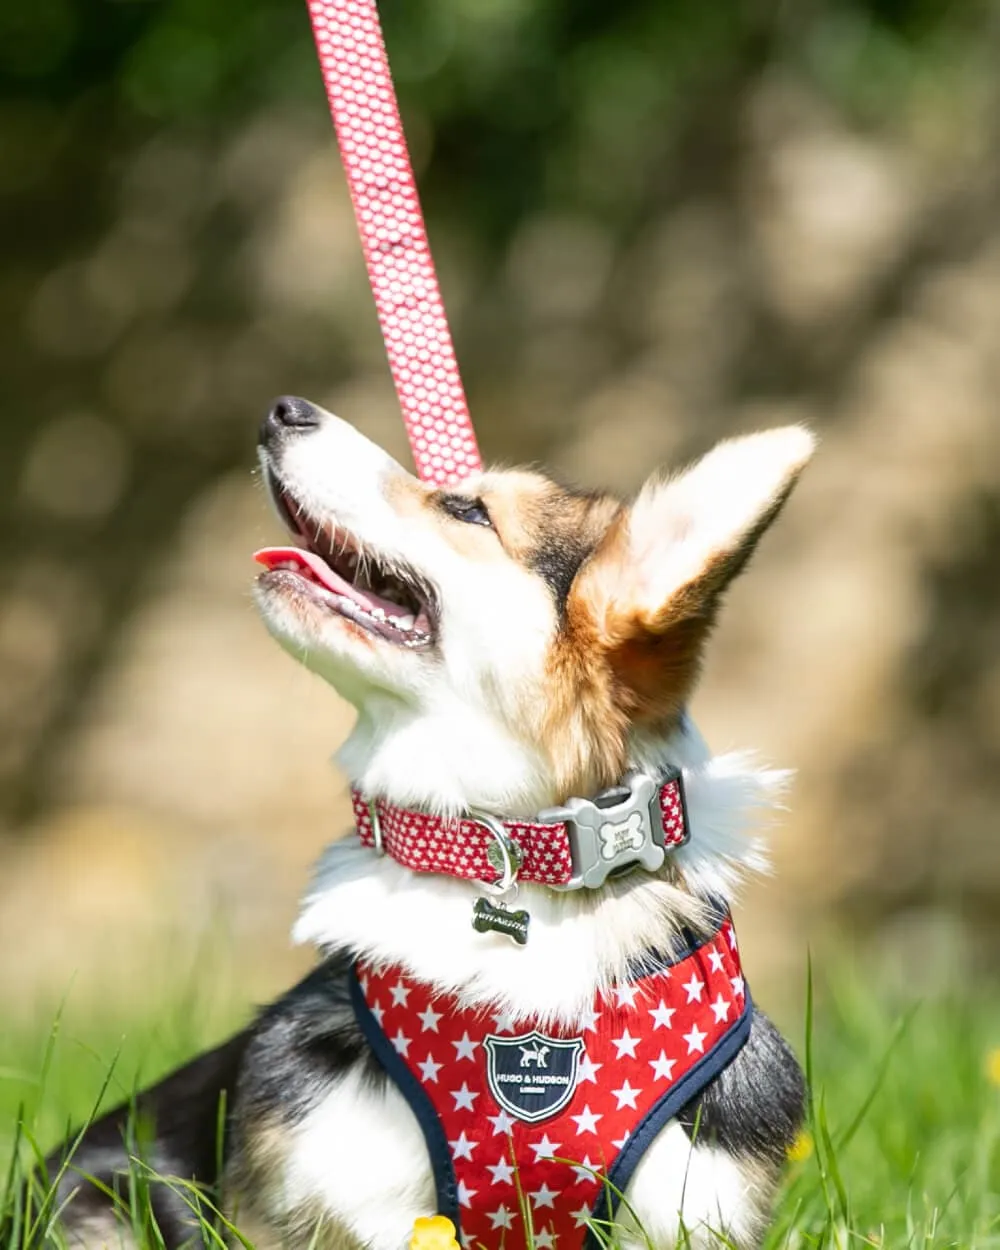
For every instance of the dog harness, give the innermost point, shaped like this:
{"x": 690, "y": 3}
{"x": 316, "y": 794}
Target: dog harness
{"x": 550, "y": 1123}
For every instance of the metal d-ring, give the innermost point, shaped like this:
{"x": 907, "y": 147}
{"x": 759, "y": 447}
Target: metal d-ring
{"x": 511, "y": 855}
{"x": 376, "y": 827}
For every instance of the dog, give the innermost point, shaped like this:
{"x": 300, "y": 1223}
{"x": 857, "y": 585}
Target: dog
{"x": 521, "y": 656}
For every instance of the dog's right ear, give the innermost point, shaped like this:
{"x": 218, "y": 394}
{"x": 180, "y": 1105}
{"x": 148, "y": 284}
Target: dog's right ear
{"x": 652, "y": 588}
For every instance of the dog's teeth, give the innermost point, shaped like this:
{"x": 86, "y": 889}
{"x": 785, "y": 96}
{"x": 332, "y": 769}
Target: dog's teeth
{"x": 378, "y": 614}
{"x": 404, "y": 622}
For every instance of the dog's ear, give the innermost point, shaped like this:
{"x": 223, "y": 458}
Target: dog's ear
{"x": 652, "y": 587}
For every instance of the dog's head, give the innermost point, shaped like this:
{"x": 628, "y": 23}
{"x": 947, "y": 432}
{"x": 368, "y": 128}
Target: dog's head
{"x": 536, "y": 630}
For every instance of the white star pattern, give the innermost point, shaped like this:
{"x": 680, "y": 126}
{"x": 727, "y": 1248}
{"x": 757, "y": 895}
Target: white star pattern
{"x": 465, "y": 1047}
{"x": 378, "y": 1012}
{"x": 501, "y": 1218}
{"x": 663, "y": 1068}
{"x": 720, "y": 1009}
{"x": 626, "y": 1095}
{"x": 625, "y": 994}
{"x": 588, "y": 1020}
{"x": 588, "y": 1070}
{"x": 429, "y": 1019}
{"x": 626, "y": 1044}
{"x": 544, "y": 1197}
{"x": 465, "y": 1097}
{"x": 502, "y": 1123}
{"x": 586, "y": 1121}
{"x": 503, "y": 1172}
{"x": 585, "y": 1170}
{"x": 431, "y": 844}
{"x": 640, "y": 1039}
{"x": 429, "y": 1069}
{"x": 461, "y": 1147}
{"x": 737, "y": 984}
{"x": 544, "y": 1149}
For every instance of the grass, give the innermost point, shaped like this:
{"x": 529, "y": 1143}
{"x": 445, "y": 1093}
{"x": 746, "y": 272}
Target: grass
{"x": 902, "y": 1148}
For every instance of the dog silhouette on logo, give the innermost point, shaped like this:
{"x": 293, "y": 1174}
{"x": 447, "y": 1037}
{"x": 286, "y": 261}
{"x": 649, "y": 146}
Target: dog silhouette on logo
{"x": 534, "y": 1054}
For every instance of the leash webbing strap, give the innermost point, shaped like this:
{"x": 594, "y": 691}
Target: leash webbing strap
{"x": 387, "y": 208}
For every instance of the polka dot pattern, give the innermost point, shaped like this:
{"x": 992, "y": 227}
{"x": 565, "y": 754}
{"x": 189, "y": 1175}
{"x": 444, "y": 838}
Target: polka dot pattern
{"x": 384, "y": 193}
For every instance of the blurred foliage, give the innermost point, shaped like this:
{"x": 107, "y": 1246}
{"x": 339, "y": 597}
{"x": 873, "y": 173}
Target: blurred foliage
{"x": 141, "y": 340}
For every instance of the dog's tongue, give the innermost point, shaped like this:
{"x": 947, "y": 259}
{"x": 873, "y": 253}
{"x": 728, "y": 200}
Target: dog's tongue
{"x": 307, "y": 562}
{"x": 316, "y": 569}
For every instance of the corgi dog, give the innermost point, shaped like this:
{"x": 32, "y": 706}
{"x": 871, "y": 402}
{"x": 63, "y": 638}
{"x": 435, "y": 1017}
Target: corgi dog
{"x": 521, "y": 656}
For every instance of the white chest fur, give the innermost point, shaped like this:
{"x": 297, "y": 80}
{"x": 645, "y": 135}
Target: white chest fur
{"x": 359, "y": 1158}
{"x": 358, "y": 1161}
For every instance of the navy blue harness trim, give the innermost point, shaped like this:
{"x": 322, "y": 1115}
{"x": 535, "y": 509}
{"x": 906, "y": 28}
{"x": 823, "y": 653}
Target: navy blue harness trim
{"x": 628, "y": 1158}
{"x": 688, "y": 1087}
{"x": 420, "y": 1103}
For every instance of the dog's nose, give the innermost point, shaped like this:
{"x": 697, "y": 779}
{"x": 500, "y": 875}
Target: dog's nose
{"x": 289, "y": 413}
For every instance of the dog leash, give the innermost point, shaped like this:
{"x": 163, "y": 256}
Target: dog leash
{"x": 401, "y": 271}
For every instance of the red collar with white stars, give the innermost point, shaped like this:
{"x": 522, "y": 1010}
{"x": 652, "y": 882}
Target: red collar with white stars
{"x": 579, "y": 844}
{"x": 562, "y": 1114}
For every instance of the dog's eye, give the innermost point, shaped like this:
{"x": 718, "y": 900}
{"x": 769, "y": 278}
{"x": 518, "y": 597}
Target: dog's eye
{"x": 473, "y": 511}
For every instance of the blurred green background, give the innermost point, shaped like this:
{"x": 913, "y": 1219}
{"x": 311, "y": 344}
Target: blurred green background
{"x": 657, "y": 222}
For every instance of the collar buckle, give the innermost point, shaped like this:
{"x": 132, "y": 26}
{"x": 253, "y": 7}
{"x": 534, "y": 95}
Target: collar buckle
{"x": 616, "y": 831}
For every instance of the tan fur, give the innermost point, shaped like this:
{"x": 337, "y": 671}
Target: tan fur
{"x": 615, "y": 662}
{"x": 761, "y": 1178}
{"x": 582, "y": 726}
{"x": 252, "y": 1204}
{"x": 104, "y": 1230}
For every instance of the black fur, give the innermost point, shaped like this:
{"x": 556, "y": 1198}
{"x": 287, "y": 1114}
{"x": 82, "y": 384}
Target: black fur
{"x": 176, "y": 1130}
{"x": 281, "y": 1066}
{"x": 300, "y": 1044}
{"x": 283, "y": 1062}
{"x": 755, "y": 1106}
{"x": 558, "y": 565}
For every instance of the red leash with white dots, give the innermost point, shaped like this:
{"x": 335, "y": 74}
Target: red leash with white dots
{"x": 398, "y": 256}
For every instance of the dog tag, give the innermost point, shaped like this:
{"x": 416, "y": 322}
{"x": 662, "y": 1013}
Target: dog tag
{"x": 497, "y": 917}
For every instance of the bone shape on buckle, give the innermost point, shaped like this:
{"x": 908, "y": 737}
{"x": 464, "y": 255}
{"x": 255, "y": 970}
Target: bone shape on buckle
{"x": 623, "y": 835}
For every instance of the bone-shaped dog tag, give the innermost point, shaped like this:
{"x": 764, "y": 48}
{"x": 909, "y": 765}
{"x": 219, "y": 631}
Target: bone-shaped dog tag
{"x": 488, "y": 916}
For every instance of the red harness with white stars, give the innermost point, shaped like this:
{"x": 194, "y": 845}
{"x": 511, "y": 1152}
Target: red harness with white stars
{"x": 506, "y": 1106}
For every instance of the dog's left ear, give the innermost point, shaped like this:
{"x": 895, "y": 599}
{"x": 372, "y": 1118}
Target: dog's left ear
{"x": 652, "y": 588}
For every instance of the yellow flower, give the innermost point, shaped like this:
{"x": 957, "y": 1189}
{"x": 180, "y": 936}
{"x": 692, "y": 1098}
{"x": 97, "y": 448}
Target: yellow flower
{"x": 993, "y": 1066}
{"x": 802, "y": 1147}
{"x": 433, "y": 1232}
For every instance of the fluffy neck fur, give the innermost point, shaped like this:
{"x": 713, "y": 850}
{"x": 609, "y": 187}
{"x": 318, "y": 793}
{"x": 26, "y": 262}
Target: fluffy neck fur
{"x": 579, "y": 941}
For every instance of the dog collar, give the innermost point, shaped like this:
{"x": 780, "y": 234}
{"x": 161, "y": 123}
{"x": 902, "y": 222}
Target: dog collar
{"x": 578, "y": 845}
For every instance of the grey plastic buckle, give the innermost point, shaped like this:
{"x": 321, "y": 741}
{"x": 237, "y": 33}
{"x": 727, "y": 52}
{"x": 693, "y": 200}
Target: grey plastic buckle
{"x": 618, "y": 829}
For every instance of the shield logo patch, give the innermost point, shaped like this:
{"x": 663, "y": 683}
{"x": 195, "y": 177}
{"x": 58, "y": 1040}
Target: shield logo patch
{"x": 532, "y": 1076}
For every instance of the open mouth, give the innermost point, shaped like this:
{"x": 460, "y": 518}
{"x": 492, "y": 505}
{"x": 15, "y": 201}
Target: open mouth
{"x": 384, "y": 598}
